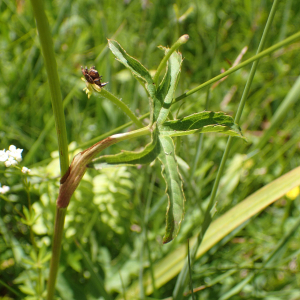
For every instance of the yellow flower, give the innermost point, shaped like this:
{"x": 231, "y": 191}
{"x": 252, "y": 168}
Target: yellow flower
{"x": 293, "y": 193}
{"x": 90, "y": 88}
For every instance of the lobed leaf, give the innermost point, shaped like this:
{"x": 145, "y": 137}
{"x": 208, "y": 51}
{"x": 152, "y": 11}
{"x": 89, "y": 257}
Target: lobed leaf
{"x": 165, "y": 91}
{"x": 137, "y": 69}
{"x": 129, "y": 158}
{"x": 174, "y": 188}
{"x": 206, "y": 121}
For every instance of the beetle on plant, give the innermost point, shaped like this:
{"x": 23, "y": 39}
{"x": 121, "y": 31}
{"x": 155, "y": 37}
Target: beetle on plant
{"x": 92, "y": 76}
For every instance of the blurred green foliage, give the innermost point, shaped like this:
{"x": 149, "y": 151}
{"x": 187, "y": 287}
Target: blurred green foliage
{"x": 117, "y": 215}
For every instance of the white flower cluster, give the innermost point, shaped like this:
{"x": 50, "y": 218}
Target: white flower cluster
{"x": 12, "y": 156}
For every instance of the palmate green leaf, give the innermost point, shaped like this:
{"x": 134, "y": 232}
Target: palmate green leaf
{"x": 166, "y": 89}
{"x": 206, "y": 121}
{"x": 162, "y": 145}
{"x": 129, "y": 158}
{"x": 137, "y": 69}
{"x": 174, "y": 188}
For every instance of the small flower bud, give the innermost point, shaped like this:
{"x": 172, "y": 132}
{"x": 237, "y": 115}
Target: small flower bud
{"x": 25, "y": 170}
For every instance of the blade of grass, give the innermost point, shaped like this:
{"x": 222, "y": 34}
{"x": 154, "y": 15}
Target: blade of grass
{"x": 190, "y": 271}
{"x": 267, "y": 262}
{"x": 291, "y": 98}
{"x": 48, "y": 127}
{"x": 9, "y": 288}
{"x": 95, "y": 277}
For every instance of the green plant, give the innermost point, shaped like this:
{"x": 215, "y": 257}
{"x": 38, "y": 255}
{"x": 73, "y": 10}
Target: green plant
{"x": 159, "y": 133}
{"x": 161, "y": 130}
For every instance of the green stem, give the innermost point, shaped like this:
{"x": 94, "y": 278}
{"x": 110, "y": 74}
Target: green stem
{"x": 51, "y": 68}
{"x": 182, "y": 40}
{"x": 56, "y": 248}
{"x": 57, "y": 105}
{"x": 241, "y": 65}
{"x": 123, "y": 106}
{"x": 179, "y": 287}
{"x": 109, "y": 133}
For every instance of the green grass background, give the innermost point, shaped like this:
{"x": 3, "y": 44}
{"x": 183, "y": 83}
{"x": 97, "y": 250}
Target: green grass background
{"x": 115, "y": 221}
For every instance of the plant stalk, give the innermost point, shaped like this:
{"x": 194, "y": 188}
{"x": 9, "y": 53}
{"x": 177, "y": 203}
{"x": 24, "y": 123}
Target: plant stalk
{"x": 123, "y": 107}
{"x": 51, "y": 68}
{"x": 60, "y": 125}
{"x": 273, "y": 48}
{"x": 56, "y": 249}
{"x": 182, "y": 278}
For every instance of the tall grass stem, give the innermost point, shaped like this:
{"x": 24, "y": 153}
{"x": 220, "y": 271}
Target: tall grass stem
{"x": 273, "y": 48}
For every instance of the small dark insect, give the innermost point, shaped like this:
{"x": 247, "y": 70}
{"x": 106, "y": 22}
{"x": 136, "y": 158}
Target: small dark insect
{"x": 92, "y": 76}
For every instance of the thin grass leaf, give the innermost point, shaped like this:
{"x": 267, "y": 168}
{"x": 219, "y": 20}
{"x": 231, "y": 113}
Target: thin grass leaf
{"x": 286, "y": 105}
{"x": 276, "y": 254}
{"x": 95, "y": 277}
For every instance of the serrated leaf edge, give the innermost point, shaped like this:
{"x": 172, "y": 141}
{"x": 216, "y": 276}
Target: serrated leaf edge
{"x": 174, "y": 234}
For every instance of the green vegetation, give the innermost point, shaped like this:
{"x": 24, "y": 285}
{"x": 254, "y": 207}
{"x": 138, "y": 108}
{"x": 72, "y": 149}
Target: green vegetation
{"x": 240, "y": 199}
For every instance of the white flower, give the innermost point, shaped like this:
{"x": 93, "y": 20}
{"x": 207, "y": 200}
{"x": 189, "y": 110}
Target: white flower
{"x": 15, "y": 153}
{"x": 3, "y": 155}
{"x": 12, "y": 156}
{"x": 25, "y": 170}
{"x": 4, "y": 189}
{"x": 10, "y": 162}
{"x": 12, "y": 148}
